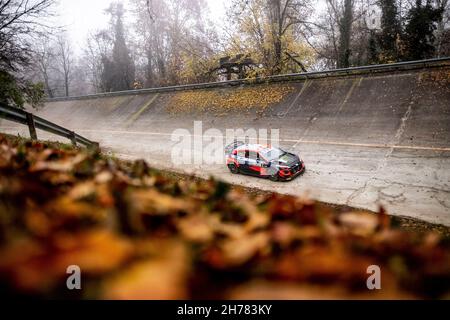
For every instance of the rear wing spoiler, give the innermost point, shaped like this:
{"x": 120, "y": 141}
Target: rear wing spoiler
{"x": 236, "y": 144}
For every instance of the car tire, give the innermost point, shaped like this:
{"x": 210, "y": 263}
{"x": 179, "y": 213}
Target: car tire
{"x": 274, "y": 177}
{"x": 233, "y": 168}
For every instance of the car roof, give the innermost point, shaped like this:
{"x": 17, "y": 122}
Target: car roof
{"x": 254, "y": 147}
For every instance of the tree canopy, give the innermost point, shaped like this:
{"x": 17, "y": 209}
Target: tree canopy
{"x": 19, "y": 28}
{"x": 151, "y": 43}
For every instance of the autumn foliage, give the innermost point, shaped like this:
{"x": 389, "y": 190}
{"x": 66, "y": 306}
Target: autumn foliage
{"x": 137, "y": 233}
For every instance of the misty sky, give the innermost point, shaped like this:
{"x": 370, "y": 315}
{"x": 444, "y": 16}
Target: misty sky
{"x": 81, "y": 16}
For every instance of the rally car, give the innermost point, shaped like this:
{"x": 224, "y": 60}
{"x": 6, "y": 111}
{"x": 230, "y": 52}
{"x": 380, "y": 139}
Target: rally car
{"x": 263, "y": 161}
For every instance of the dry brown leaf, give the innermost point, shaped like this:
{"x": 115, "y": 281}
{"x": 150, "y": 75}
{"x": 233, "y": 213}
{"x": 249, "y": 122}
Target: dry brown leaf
{"x": 161, "y": 277}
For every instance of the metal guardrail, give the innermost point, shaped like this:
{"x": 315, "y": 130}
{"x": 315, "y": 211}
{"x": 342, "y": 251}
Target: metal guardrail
{"x": 33, "y": 122}
{"x": 399, "y": 66}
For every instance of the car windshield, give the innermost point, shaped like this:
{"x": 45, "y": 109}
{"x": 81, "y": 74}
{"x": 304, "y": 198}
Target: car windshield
{"x": 272, "y": 154}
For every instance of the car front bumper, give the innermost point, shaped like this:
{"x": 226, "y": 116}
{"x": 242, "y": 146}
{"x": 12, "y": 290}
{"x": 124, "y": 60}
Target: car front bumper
{"x": 291, "y": 176}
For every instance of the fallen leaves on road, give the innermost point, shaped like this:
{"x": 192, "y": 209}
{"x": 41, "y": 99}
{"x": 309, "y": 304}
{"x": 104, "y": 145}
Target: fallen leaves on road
{"x": 224, "y": 101}
{"x": 138, "y": 234}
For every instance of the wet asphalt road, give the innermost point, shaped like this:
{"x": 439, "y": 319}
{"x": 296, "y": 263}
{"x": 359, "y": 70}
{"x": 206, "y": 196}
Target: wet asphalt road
{"x": 408, "y": 182}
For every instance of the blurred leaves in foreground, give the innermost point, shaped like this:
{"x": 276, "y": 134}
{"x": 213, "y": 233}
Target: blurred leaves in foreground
{"x": 139, "y": 234}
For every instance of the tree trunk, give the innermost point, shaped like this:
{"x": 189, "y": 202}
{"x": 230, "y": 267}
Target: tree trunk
{"x": 277, "y": 29}
{"x": 66, "y": 82}
{"x": 345, "y": 27}
{"x": 47, "y": 85}
{"x": 442, "y": 4}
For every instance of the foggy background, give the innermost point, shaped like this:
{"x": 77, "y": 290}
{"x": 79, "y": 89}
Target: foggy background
{"x": 82, "y": 16}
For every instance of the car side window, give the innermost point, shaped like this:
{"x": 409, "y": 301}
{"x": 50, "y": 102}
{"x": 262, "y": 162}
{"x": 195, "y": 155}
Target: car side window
{"x": 263, "y": 159}
{"x": 253, "y": 155}
{"x": 241, "y": 153}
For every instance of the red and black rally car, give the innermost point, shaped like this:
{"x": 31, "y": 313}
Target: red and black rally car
{"x": 262, "y": 161}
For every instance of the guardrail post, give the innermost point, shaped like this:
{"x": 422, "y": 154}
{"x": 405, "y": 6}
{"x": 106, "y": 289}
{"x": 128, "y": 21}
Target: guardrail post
{"x": 73, "y": 138}
{"x": 31, "y": 126}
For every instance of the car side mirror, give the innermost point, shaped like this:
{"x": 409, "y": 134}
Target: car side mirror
{"x": 266, "y": 164}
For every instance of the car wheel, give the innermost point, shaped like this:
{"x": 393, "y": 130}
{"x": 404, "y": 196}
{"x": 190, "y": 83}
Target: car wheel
{"x": 233, "y": 168}
{"x": 274, "y": 177}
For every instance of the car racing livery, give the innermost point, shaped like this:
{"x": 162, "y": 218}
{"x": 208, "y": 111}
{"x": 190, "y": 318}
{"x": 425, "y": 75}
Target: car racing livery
{"x": 262, "y": 161}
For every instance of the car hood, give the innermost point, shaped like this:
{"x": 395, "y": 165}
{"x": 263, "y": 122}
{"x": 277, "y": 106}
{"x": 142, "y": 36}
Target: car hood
{"x": 288, "y": 159}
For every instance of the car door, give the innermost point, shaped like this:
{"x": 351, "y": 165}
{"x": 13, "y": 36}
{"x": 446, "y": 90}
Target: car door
{"x": 242, "y": 161}
{"x": 253, "y": 163}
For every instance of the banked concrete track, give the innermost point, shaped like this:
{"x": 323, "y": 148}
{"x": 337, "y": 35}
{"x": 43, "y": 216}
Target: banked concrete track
{"x": 368, "y": 138}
